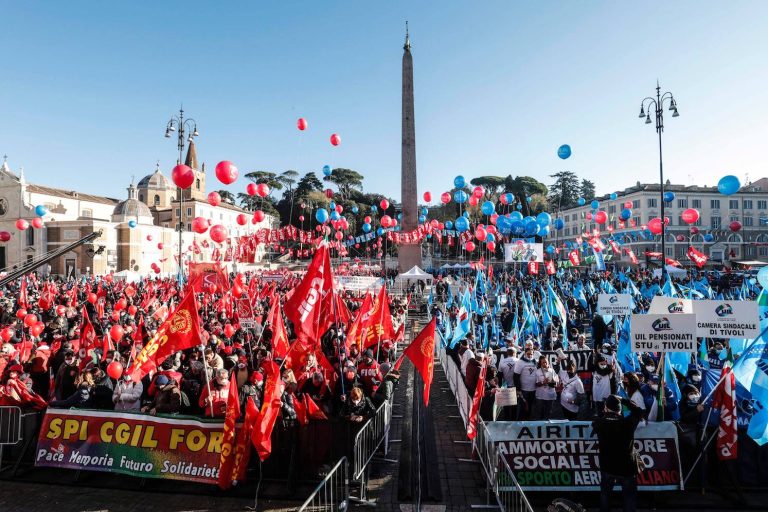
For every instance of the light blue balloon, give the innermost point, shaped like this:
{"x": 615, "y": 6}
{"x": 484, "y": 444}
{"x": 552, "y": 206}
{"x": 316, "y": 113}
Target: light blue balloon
{"x": 466, "y": 214}
{"x": 544, "y": 219}
{"x": 490, "y": 237}
{"x": 709, "y": 238}
{"x": 321, "y": 215}
{"x": 327, "y": 170}
{"x": 531, "y": 227}
{"x": 459, "y": 182}
{"x": 528, "y": 199}
{"x": 728, "y": 185}
{"x": 515, "y": 216}
{"x": 460, "y": 196}
{"x": 762, "y": 277}
{"x": 510, "y": 198}
{"x": 504, "y": 225}
{"x": 422, "y": 219}
{"x": 488, "y": 208}
{"x": 626, "y": 214}
{"x": 448, "y": 224}
{"x": 595, "y": 204}
{"x": 519, "y": 206}
{"x": 517, "y": 226}
{"x": 669, "y": 196}
{"x": 543, "y": 230}
{"x": 40, "y": 210}
{"x": 335, "y": 215}
{"x": 550, "y": 249}
{"x": 355, "y": 209}
{"x": 374, "y": 209}
{"x": 462, "y": 224}
{"x": 399, "y": 216}
{"x": 366, "y": 227}
{"x": 614, "y": 195}
{"x": 380, "y": 231}
{"x": 132, "y": 224}
{"x": 581, "y": 201}
{"x": 424, "y": 211}
{"x": 559, "y": 224}
{"x": 564, "y": 151}
{"x": 332, "y": 205}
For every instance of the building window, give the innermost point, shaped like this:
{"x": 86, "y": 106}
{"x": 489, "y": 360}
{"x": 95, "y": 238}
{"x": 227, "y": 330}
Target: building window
{"x": 156, "y": 202}
{"x": 714, "y": 204}
{"x": 747, "y": 204}
{"x": 715, "y": 221}
{"x": 30, "y": 258}
{"x": 189, "y": 212}
{"x": 762, "y": 204}
{"x": 749, "y": 250}
{"x": 651, "y": 202}
{"x": 733, "y": 204}
{"x": 197, "y": 183}
{"x": 749, "y": 221}
{"x": 30, "y": 237}
{"x": 695, "y": 203}
{"x": 762, "y": 251}
{"x": 637, "y": 221}
{"x": 636, "y": 203}
{"x": 189, "y": 227}
{"x": 682, "y": 203}
{"x": 141, "y": 197}
{"x": 87, "y": 212}
{"x": 178, "y": 212}
{"x": 612, "y": 208}
{"x": 734, "y": 218}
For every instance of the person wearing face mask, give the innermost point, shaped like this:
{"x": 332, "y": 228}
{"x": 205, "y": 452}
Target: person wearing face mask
{"x": 546, "y": 382}
{"x": 214, "y": 402}
{"x": 466, "y": 354}
{"x": 66, "y": 375}
{"x": 358, "y": 407}
{"x": 716, "y": 356}
{"x": 693, "y": 378}
{"x": 573, "y": 390}
{"x": 127, "y": 394}
{"x": 650, "y": 392}
{"x": 525, "y": 381}
{"x": 370, "y": 373}
{"x": 648, "y": 367}
{"x": 604, "y": 383}
{"x": 253, "y": 388}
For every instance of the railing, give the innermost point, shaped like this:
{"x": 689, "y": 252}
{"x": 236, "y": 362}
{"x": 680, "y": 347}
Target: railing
{"x": 374, "y": 432}
{"x": 332, "y": 493}
{"x": 10, "y": 428}
{"x": 510, "y": 496}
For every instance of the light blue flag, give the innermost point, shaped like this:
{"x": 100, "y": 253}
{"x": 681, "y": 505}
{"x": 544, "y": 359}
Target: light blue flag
{"x": 464, "y": 324}
{"x": 703, "y": 355}
{"x": 758, "y": 424}
{"x": 669, "y": 289}
{"x": 626, "y": 358}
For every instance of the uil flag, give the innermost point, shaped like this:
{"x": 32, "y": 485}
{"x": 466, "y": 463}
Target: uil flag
{"x": 725, "y": 400}
{"x": 261, "y": 437}
{"x": 533, "y": 268}
{"x": 421, "y": 352}
{"x": 304, "y": 305}
{"x": 180, "y": 331}
{"x": 228, "y": 436}
{"x": 632, "y": 256}
{"x": 573, "y": 256}
{"x": 473, "y": 412}
{"x": 550, "y": 266}
{"x": 698, "y": 257}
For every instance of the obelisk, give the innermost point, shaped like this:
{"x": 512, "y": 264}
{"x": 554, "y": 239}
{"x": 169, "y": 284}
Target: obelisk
{"x": 408, "y": 254}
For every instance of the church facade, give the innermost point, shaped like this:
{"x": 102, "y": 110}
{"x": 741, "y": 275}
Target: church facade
{"x": 137, "y": 231}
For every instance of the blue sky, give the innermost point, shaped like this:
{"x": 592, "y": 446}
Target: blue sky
{"x": 88, "y": 86}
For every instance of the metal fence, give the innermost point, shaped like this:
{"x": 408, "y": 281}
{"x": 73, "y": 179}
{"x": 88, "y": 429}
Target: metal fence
{"x": 10, "y": 428}
{"x": 332, "y": 494}
{"x": 374, "y": 432}
{"x": 510, "y": 496}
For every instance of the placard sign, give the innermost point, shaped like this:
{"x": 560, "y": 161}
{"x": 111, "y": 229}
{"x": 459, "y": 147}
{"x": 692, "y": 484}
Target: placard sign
{"x": 670, "y": 306}
{"x": 506, "y": 397}
{"x": 614, "y": 304}
{"x": 664, "y": 333}
{"x": 522, "y": 252}
{"x": 726, "y": 319}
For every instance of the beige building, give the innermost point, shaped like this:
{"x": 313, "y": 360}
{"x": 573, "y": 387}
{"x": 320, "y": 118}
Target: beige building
{"x": 152, "y": 207}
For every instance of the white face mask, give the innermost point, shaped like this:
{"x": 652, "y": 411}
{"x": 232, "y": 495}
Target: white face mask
{"x": 602, "y": 366}
{"x": 694, "y": 398}
{"x": 696, "y": 378}
{"x": 655, "y": 387}
{"x": 649, "y": 369}
{"x": 356, "y": 402}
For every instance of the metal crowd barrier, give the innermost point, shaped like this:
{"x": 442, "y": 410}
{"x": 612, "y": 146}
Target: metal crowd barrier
{"x": 332, "y": 493}
{"x": 510, "y": 496}
{"x": 10, "y": 428}
{"x": 374, "y": 432}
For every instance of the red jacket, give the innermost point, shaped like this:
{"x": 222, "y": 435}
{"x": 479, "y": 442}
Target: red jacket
{"x": 219, "y": 398}
{"x": 370, "y": 376}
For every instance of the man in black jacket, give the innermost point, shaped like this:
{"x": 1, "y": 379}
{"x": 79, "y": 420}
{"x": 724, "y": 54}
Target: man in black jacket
{"x": 616, "y": 435}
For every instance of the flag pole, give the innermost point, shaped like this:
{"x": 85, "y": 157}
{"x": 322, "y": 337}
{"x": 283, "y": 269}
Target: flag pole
{"x": 207, "y": 380}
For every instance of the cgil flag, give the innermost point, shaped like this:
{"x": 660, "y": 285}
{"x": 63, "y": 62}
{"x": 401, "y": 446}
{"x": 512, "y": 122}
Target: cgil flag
{"x": 421, "y": 352}
{"x": 476, "y": 399}
{"x": 261, "y": 437}
{"x": 227, "y": 463}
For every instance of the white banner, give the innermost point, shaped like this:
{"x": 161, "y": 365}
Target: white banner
{"x": 664, "y": 333}
{"x": 726, "y": 319}
{"x": 358, "y": 283}
{"x": 670, "y": 306}
{"x": 523, "y": 252}
{"x": 614, "y": 304}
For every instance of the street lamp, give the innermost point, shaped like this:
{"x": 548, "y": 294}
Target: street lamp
{"x": 183, "y": 127}
{"x": 657, "y": 104}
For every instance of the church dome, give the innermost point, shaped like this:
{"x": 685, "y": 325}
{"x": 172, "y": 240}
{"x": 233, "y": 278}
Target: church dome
{"x": 132, "y": 209}
{"x": 155, "y": 180}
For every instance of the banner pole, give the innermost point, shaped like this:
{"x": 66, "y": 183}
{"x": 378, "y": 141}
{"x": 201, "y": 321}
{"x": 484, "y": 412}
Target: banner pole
{"x": 207, "y": 381}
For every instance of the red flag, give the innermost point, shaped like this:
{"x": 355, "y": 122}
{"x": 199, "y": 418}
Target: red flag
{"x": 23, "y": 293}
{"x": 673, "y": 262}
{"x": 699, "y": 258}
{"x": 138, "y": 334}
{"x": 400, "y": 334}
{"x": 313, "y": 411}
{"x": 573, "y": 256}
{"x": 87, "y": 332}
{"x": 421, "y": 352}
{"x": 304, "y": 306}
{"x": 180, "y": 331}
{"x": 261, "y": 437}
{"x": 279, "y": 335}
{"x": 106, "y": 344}
{"x": 380, "y": 325}
{"x": 203, "y": 275}
{"x": 479, "y": 392}
{"x": 242, "y": 446}
{"x": 615, "y": 247}
{"x": 363, "y": 314}
{"x": 632, "y": 256}
{"x": 550, "y": 266}
{"x": 533, "y": 268}
{"x": 301, "y": 411}
{"x": 226, "y": 474}
{"x": 725, "y": 400}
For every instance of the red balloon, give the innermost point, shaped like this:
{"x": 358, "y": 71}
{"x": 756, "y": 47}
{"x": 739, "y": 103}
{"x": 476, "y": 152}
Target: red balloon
{"x": 654, "y": 225}
{"x": 480, "y": 233}
{"x": 60, "y": 310}
{"x": 21, "y": 224}
{"x": 4, "y": 236}
{"x": 628, "y": 205}
{"x": 386, "y": 221}
{"x": 157, "y": 270}
{"x": 589, "y": 215}
{"x": 384, "y": 204}
{"x": 680, "y": 238}
{"x": 160, "y": 245}
{"x": 229, "y": 331}
{"x": 394, "y": 222}
{"x": 339, "y": 208}
{"x": 93, "y": 298}
{"x": 37, "y": 329}
{"x": 37, "y": 223}
{"x": 367, "y": 219}
{"x": 251, "y": 189}
{"x": 491, "y": 229}
{"x": 258, "y": 215}
{"x": 473, "y": 200}
{"x": 301, "y": 124}
{"x": 478, "y": 192}
{"x": 121, "y": 304}
{"x": 503, "y": 198}
{"x": 601, "y": 217}
{"x": 242, "y": 219}
{"x": 301, "y": 218}
{"x": 219, "y": 233}
{"x": 214, "y": 199}
{"x": 339, "y": 235}
{"x": 132, "y": 310}
{"x": 690, "y": 216}
{"x": 427, "y": 197}
{"x": 328, "y": 193}
{"x": 6, "y": 334}
{"x": 262, "y": 189}
{"x": 183, "y": 176}
{"x": 469, "y": 246}
{"x": 694, "y": 230}
{"x": 115, "y": 370}
{"x": 445, "y": 198}
{"x": 226, "y": 172}
{"x": 30, "y": 320}
{"x": 21, "y": 313}
{"x": 735, "y": 226}
{"x": 199, "y": 225}
{"x": 491, "y": 246}
{"x": 109, "y": 278}
{"x": 116, "y": 332}
{"x": 211, "y": 288}
{"x": 335, "y": 139}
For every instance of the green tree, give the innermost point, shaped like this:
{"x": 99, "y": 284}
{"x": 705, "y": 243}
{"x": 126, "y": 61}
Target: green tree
{"x": 522, "y": 187}
{"x": 587, "y": 189}
{"x": 227, "y": 196}
{"x": 308, "y": 183}
{"x": 270, "y": 178}
{"x": 288, "y": 180}
{"x": 564, "y": 192}
{"x": 346, "y": 180}
{"x": 493, "y": 185}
